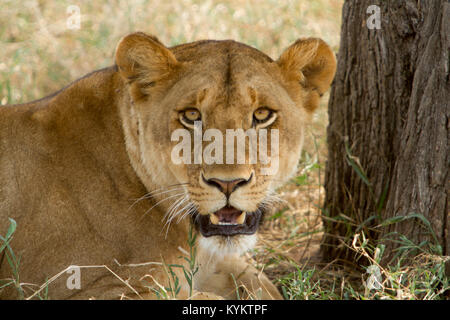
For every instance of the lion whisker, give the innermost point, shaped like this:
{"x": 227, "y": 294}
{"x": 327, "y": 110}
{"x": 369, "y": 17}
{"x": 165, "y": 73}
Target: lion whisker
{"x": 180, "y": 213}
{"x": 184, "y": 212}
{"x": 174, "y": 206}
{"x": 172, "y": 196}
{"x": 152, "y": 194}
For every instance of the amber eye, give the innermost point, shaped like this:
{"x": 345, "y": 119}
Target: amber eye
{"x": 191, "y": 115}
{"x": 264, "y": 116}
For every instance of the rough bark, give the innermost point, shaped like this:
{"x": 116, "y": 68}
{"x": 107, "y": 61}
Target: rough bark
{"x": 389, "y": 104}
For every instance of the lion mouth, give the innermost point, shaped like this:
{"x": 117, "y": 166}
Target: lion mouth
{"x": 228, "y": 221}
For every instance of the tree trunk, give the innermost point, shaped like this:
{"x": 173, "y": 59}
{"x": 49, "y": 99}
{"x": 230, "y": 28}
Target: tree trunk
{"x": 388, "y": 131}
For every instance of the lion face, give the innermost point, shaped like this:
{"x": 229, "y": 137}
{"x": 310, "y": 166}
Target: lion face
{"x": 223, "y": 122}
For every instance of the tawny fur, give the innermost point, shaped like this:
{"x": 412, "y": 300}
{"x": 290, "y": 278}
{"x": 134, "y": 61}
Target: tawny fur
{"x": 73, "y": 164}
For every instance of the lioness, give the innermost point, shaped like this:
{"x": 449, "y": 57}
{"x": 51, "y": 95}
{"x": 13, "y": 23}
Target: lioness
{"x": 73, "y": 164}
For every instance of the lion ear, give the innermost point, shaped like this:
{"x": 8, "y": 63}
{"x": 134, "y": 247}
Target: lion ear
{"x": 312, "y": 63}
{"x": 143, "y": 61}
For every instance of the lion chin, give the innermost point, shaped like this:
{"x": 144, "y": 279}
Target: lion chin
{"x": 228, "y": 230}
{"x": 227, "y": 245}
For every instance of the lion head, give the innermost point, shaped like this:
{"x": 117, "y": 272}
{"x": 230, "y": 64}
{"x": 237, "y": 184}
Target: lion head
{"x": 213, "y": 91}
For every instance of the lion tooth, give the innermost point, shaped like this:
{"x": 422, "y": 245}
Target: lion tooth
{"x": 241, "y": 218}
{"x": 213, "y": 218}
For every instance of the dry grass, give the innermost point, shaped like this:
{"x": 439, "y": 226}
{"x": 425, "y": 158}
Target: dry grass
{"x": 40, "y": 54}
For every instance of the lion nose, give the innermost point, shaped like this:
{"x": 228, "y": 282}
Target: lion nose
{"x": 227, "y": 186}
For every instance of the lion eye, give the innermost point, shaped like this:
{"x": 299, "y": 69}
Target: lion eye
{"x": 263, "y": 115}
{"x": 189, "y": 116}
